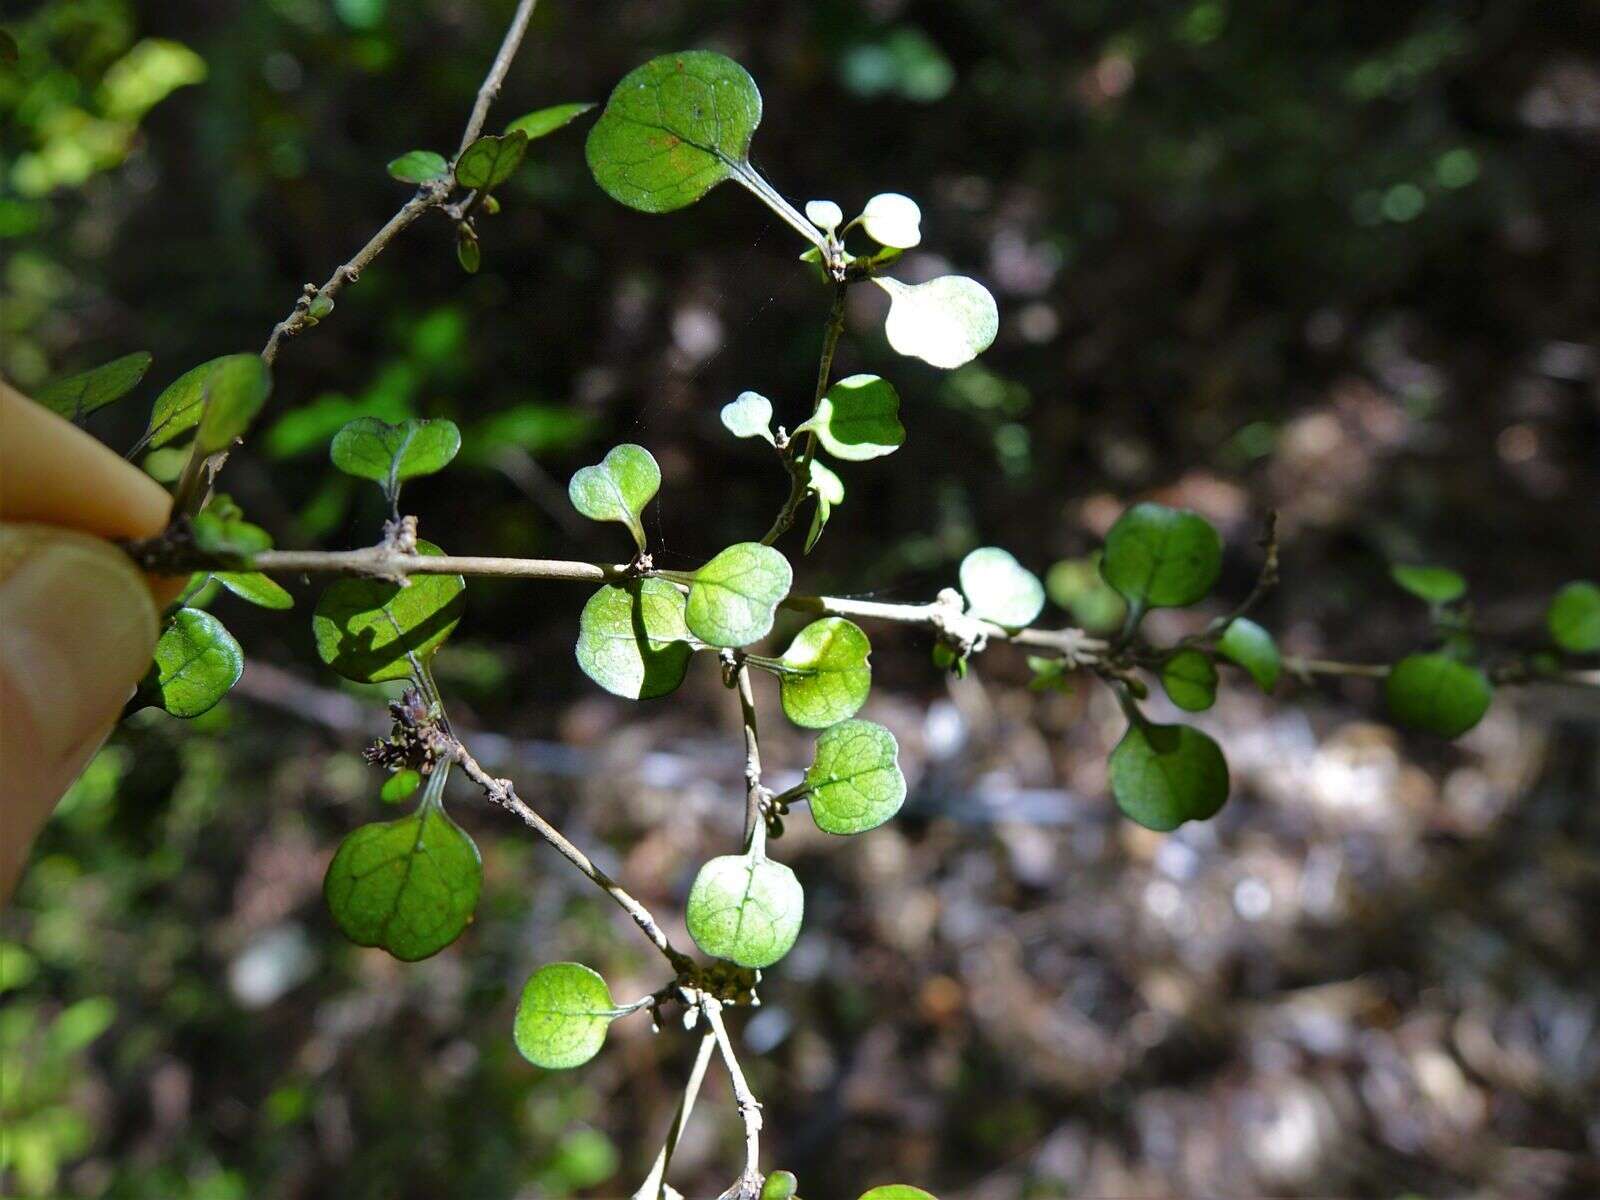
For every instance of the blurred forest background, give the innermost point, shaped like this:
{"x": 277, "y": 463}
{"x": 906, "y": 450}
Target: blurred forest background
{"x": 1341, "y": 260}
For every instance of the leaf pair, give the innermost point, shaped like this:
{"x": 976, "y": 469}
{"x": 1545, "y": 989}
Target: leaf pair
{"x": 618, "y": 488}
{"x": 490, "y": 160}
{"x": 389, "y": 455}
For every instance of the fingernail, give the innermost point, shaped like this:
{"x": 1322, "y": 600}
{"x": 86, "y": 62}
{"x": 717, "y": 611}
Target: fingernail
{"x": 77, "y": 627}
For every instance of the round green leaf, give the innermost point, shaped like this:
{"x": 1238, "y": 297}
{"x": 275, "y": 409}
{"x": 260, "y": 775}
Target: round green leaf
{"x": 177, "y": 409}
{"x": 409, "y": 886}
{"x": 896, "y": 1191}
{"x": 632, "y": 640}
{"x": 1160, "y": 557}
{"x": 543, "y": 121}
{"x": 563, "y": 1016}
{"x": 947, "y": 321}
{"x": 1574, "y": 618}
{"x": 76, "y": 396}
{"x": 370, "y": 630}
{"x": 390, "y": 454}
{"x": 891, "y": 219}
{"x": 827, "y": 675}
{"x": 780, "y": 1185}
{"x": 1438, "y": 694}
{"x": 490, "y": 160}
{"x": 197, "y": 662}
{"x": 232, "y": 393}
{"x": 828, "y": 489}
{"x": 855, "y": 780}
{"x": 1190, "y": 680}
{"x": 858, "y": 419}
{"x": 1436, "y": 585}
{"x": 400, "y": 786}
{"x": 1075, "y": 584}
{"x": 419, "y": 166}
{"x": 1164, "y": 775}
{"x": 617, "y": 488}
{"x": 748, "y": 415}
{"x": 745, "y": 908}
{"x": 1000, "y": 589}
{"x": 255, "y": 587}
{"x": 733, "y": 598}
{"x": 673, "y": 129}
{"x": 1251, "y": 647}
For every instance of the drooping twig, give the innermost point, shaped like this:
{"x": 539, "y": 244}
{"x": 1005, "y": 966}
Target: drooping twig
{"x": 748, "y": 1185}
{"x": 503, "y": 793}
{"x": 654, "y": 1186}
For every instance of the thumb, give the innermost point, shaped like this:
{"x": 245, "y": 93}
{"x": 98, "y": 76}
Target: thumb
{"x": 77, "y": 628}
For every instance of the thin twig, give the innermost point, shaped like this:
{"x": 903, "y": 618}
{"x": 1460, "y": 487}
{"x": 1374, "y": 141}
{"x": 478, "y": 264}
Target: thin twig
{"x": 755, "y": 794}
{"x": 800, "y": 466}
{"x": 503, "y": 793}
{"x": 655, "y": 1184}
{"x": 748, "y": 1185}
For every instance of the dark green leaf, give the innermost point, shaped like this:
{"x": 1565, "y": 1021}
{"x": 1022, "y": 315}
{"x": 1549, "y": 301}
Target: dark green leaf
{"x": 1000, "y": 589}
{"x": 231, "y": 395}
{"x": 745, "y": 908}
{"x": 1574, "y": 618}
{"x": 1164, "y": 775}
{"x": 1436, "y": 585}
{"x": 1438, "y": 694}
{"x": 1160, "y": 557}
{"x": 419, "y": 166}
{"x": 76, "y": 396}
{"x": 855, "y": 780}
{"x": 563, "y": 1016}
{"x": 197, "y": 662}
{"x": 1190, "y": 680}
{"x": 371, "y": 630}
{"x": 858, "y": 419}
{"x": 734, "y": 597}
{"x": 391, "y": 454}
{"x": 826, "y": 674}
{"x": 255, "y": 587}
{"x": 632, "y": 640}
{"x": 673, "y": 129}
{"x": 618, "y": 488}
{"x": 408, "y": 886}
{"x": 1246, "y": 643}
{"x": 543, "y": 121}
{"x": 490, "y": 160}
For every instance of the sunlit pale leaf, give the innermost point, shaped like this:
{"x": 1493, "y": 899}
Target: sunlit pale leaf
{"x": 745, "y": 908}
{"x": 1251, "y": 647}
{"x": 733, "y": 598}
{"x": 748, "y": 415}
{"x": 232, "y": 393}
{"x": 1164, "y": 775}
{"x": 563, "y": 1016}
{"x": 1000, "y": 589}
{"x": 824, "y": 214}
{"x": 391, "y": 454}
{"x": 255, "y": 587}
{"x": 947, "y": 321}
{"x": 632, "y": 639}
{"x": 891, "y": 219}
{"x": 855, "y": 780}
{"x": 617, "y": 488}
{"x": 826, "y": 674}
{"x": 829, "y": 490}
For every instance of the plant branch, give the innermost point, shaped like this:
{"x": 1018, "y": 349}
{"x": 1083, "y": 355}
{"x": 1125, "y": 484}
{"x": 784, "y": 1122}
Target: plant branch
{"x": 654, "y": 1186}
{"x": 755, "y": 794}
{"x": 748, "y": 1186}
{"x": 503, "y": 793}
{"x": 800, "y": 469}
